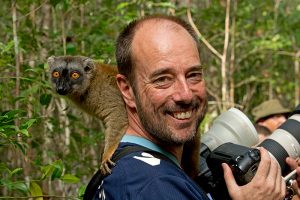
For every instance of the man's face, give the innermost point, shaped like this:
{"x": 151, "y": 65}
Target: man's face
{"x": 170, "y": 92}
{"x": 273, "y": 122}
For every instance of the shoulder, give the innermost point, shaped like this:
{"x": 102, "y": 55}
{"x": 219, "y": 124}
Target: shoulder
{"x": 141, "y": 175}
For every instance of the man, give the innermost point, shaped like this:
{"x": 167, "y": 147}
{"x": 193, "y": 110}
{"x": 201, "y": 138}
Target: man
{"x": 162, "y": 83}
{"x": 270, "y": 114}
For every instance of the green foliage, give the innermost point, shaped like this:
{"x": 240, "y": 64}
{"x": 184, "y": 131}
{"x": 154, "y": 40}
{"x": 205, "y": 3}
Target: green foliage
{"x": 35, "y": 190}
{"x": 10, "y": 133}
{"x": 38, "y": 151}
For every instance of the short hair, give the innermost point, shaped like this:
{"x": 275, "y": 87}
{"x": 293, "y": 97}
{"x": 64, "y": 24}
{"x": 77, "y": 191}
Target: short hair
{"x": 124, "y": 41}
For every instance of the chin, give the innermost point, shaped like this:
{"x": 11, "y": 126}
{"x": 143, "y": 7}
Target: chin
{"x": 185, "y": 135}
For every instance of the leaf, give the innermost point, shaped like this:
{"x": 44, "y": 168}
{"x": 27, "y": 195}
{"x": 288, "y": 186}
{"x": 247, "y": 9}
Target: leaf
{"x": 7, "y": 48}
{"x": 3, "y": 167}
{"x": 54, "y": 170}
{"x": 45, "y": 99}
{"x": 71, "y": 49}
{"x": 11, "y": 115}
{"x": 20, "y": 186}
{"x": 47, "y": 171}
{"x": 57, "y": 172}
{"x": 122, "y": 5}
{"x": 81, "y": 191}
{"x": 69, "y": 178}
{"x": 25, "y": 132}
{"x": 36, "y": 191}
{"x": 15, "y": 171}
{"x": 28, "y": 123}
{"x": 58, "y": 169}
{"x": 20, "y": 146}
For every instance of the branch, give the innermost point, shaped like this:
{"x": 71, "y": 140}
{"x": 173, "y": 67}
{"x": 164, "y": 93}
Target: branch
{"x": 213, "y": 94}
{"x": 207, "y": 44}
{"x": 32, "y": 11}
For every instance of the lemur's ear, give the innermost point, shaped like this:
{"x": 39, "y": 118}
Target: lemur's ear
{"x": 88, "y": 64}
{"x": 51, "y": 60}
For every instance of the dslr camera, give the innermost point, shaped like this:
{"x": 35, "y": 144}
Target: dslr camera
{"x": 231, "y": 140}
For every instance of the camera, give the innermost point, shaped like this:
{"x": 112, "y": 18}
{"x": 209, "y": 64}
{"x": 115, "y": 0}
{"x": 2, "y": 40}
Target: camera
{"x": 230, "y": 139}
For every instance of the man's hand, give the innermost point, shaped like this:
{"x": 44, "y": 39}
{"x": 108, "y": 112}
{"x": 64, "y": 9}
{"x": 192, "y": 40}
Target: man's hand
{"x": 267, "y": 184}
{"x": 294, "y": 164}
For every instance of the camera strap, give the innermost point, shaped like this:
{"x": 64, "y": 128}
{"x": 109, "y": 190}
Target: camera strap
{"x": 97, "y": 178}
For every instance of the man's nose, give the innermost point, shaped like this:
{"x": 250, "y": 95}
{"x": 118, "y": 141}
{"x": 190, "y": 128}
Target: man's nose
{"x": 182, "y": 92}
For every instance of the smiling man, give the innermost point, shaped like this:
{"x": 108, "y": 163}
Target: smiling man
{"x": 161, "y": 81}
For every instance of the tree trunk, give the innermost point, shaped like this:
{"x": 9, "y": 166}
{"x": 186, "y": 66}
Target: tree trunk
{"x": 232, "y": 57}
{"x": 17, "y": 53}
{"x": 16, "y": 155}
{"x": 297, "y": 79}
{"x": 224, "y": 58}
{"x": 82, "y": 44}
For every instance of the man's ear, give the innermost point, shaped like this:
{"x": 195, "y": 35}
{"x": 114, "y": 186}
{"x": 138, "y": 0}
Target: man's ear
{"x": 126, "y": 90}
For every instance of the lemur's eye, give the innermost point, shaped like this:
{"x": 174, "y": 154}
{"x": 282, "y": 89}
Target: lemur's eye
{"x": 55, "y": 74}
{"x": 75, "y": 75}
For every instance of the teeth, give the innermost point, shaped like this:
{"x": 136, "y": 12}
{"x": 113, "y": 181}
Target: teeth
{"x": 183, "y": 115}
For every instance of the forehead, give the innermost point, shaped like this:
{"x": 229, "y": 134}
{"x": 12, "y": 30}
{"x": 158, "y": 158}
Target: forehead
{"x": 69, "y": 62}
{"x": 163, "y": 43}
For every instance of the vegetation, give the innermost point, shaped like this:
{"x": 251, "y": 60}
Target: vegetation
{"x": 50, "y": 150}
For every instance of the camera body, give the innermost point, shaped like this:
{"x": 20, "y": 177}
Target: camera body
{"x": 242, "y": 160}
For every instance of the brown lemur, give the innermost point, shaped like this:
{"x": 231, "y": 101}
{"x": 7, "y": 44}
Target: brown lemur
{"x": 92, "y": 87}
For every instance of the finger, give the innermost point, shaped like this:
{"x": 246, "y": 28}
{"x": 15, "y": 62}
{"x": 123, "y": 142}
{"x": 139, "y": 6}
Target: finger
{"x": 274, "y": 171}
{"x": 280, "y": 183}
{"x": 283, "y": 187}
{"x": 275, "y": 178}
{"x": 229, "y": 179}
{"x": 298, "y": 170}
{"x": 295, "y": 187}
{"x": 292, "y": 163}
{"x": 293, "y": 191}
{"x": 298, "y": 175}
{"x": 264, "y": 165}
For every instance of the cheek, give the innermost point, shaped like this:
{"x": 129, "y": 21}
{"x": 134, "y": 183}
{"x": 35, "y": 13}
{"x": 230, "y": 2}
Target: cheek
{"x": 154, "y": 98}
{"x": 79, "y": 84}
{"x": 200, "y": 90}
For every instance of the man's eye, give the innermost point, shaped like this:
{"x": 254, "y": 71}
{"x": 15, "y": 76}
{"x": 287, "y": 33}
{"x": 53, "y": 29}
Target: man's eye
{"x": 55, "y": 74}
{"x": 75, "y": 75}
{"x": 195, "y": 76}
{"x": 162, "y": 81}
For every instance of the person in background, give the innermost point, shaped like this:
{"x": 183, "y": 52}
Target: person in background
{"x": 162, "y": 83}
{"x": 262, "y": 131}
{"x": 270, "y": 114}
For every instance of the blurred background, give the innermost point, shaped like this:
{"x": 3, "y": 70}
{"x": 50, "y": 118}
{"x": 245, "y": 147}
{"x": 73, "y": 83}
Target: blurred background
{"x": 49, "y": 149}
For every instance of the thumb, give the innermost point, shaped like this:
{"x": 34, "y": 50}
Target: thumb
{"x": 229, "y": 179}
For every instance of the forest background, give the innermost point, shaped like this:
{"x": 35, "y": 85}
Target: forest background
{"x": 49, "y": 149}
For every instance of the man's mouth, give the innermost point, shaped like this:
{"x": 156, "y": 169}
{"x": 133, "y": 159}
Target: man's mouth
{"x": 182, "y": 115}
